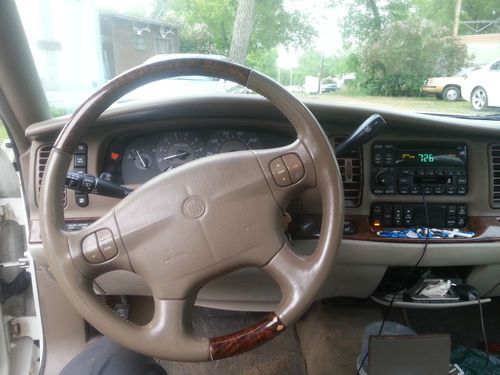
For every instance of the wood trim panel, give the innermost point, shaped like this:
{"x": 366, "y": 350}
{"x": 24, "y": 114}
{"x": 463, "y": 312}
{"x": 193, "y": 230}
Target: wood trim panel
{"x": 246, "y": 339}
{"x": 487, "y": 229}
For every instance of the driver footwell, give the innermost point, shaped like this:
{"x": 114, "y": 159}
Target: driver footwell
{"x": 280, "y": 356}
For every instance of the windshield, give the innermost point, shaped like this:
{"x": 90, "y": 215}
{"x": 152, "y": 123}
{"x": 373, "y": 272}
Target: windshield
{"x": 413, "y": 55}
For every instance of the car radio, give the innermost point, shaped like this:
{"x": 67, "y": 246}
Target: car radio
{"x": 430, "y": 168}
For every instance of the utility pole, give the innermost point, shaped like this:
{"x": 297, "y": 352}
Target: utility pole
{"x": 321, "y": 72}
{"x": 456, "y": 21}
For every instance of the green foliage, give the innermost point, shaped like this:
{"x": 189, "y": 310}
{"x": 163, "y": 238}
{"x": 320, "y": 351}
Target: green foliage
{"x": 3, "y": 132}
{"x": 362, "y": 24}
{"x": 206, "y": 27}
{"x": 405, "y": 55}
{"x": 310, "y": 64}
{"x": 401, "y": 43}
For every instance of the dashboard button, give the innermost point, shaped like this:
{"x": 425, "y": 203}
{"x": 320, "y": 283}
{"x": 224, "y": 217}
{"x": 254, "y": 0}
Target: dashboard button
{"x": 80, "y": 170}
{"x": 80, "y": 161}
{"x": 462, "y": 210}
{"x": 451, "y": 222}
{"x": 451, "y": 210}
{"x": 294, "y": 166}
{"x": 461, "y": 221}
{"x": 82, "y": 200}
{"x": 280, "y": 172}
{"x": 81, "y": 149}
{"x": 451, "y": 190}
{"x": 462, "y": 189}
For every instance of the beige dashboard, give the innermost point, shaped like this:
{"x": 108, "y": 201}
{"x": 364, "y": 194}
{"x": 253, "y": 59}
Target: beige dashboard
{"x": 364, "y": 258}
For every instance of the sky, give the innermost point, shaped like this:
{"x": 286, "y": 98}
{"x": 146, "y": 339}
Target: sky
{"x": 324, "y": 18}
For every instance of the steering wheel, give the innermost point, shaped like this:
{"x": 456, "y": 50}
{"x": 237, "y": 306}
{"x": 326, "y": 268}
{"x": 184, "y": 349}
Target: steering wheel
{"x": 199, "y": 221}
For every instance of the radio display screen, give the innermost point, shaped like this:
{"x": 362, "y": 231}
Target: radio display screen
{"x": 446, "y": 156}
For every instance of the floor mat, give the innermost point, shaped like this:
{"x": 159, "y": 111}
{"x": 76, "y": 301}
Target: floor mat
{"x": 280, "y": 356}
{"x": 331, "y": 334}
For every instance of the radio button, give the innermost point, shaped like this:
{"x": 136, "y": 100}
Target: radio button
{"x": 389, "y": 159}
{"x": 427, "y": 189}
{"x": 462, "y": 180}
{"x": 377, "y": 158}
{"x": 414, "y": 189}
{"x": 462, "y": 190}
{"x": 389, "y": 190}
{"x": 420, "y": 172}
{"x": 450, "y": 190}
{"x": 428, "y": 172}
{"x": 378, "y": 191}
{"x": 378, "y": 147}
{"x": 438, "y": 189}
{"x": 403, "y": 190}
{"x": 437, "y": 172}
{"x": 403, "y": 180}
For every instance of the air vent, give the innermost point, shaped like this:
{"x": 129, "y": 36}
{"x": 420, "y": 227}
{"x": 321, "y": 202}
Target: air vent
{"x": 495, "y": 176}
{"x": 42, "y": 157}
{"x": 352, "y": 173}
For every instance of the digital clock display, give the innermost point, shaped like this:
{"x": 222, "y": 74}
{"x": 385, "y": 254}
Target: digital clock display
{"x": 443, "y": 156}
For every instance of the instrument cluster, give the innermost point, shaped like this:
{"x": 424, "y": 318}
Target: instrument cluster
{"x": 136, "y": 159}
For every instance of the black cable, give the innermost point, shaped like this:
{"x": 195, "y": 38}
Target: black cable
{"x": 401, "y": 284}
{"x": 484, "y": 332}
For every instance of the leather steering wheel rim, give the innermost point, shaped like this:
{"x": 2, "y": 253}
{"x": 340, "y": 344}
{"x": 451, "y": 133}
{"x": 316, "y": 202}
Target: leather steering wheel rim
{"x": 233, "y": 205}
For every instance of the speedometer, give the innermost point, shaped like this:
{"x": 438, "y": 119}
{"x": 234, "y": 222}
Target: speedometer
{"x": 232, "y": 140}
{"x": 177, "y": 148}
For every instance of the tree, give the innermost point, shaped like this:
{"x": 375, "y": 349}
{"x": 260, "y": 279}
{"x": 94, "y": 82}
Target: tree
{"x": 400, "y": 43}
{"x": 406, "y": 54}
{"x": 207, "y": 27}
{"x": 242, "y": 30}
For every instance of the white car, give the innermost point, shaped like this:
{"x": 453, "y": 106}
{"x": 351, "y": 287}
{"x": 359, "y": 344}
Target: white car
{"x": 482, "y": 87}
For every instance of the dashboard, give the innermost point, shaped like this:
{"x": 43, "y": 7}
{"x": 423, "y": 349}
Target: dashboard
{"x": 452, "y": 164}
{"x": 133, "y": 159}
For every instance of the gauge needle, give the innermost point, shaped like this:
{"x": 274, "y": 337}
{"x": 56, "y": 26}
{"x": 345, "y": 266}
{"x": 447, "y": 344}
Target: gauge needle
{"x": 180, "y": 154}
{"x": 141, "y": 159}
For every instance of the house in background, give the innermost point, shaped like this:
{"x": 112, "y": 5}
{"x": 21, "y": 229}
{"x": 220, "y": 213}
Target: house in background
{"x": 57, "y": 31}
{"x": 484, "y": 48}
{"x": 129, "y": 41}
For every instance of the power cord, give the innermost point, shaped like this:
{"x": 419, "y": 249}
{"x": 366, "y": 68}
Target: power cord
{"x": 407, "y": 276}
{"x": 481, "y": 316}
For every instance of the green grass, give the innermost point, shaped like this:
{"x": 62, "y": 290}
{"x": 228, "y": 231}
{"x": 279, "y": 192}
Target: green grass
{"x": 3, "y": 133}
{"x": 415, "y": 104}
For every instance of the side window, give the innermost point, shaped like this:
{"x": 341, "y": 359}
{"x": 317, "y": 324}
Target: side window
{"x": 496, "y": 66}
